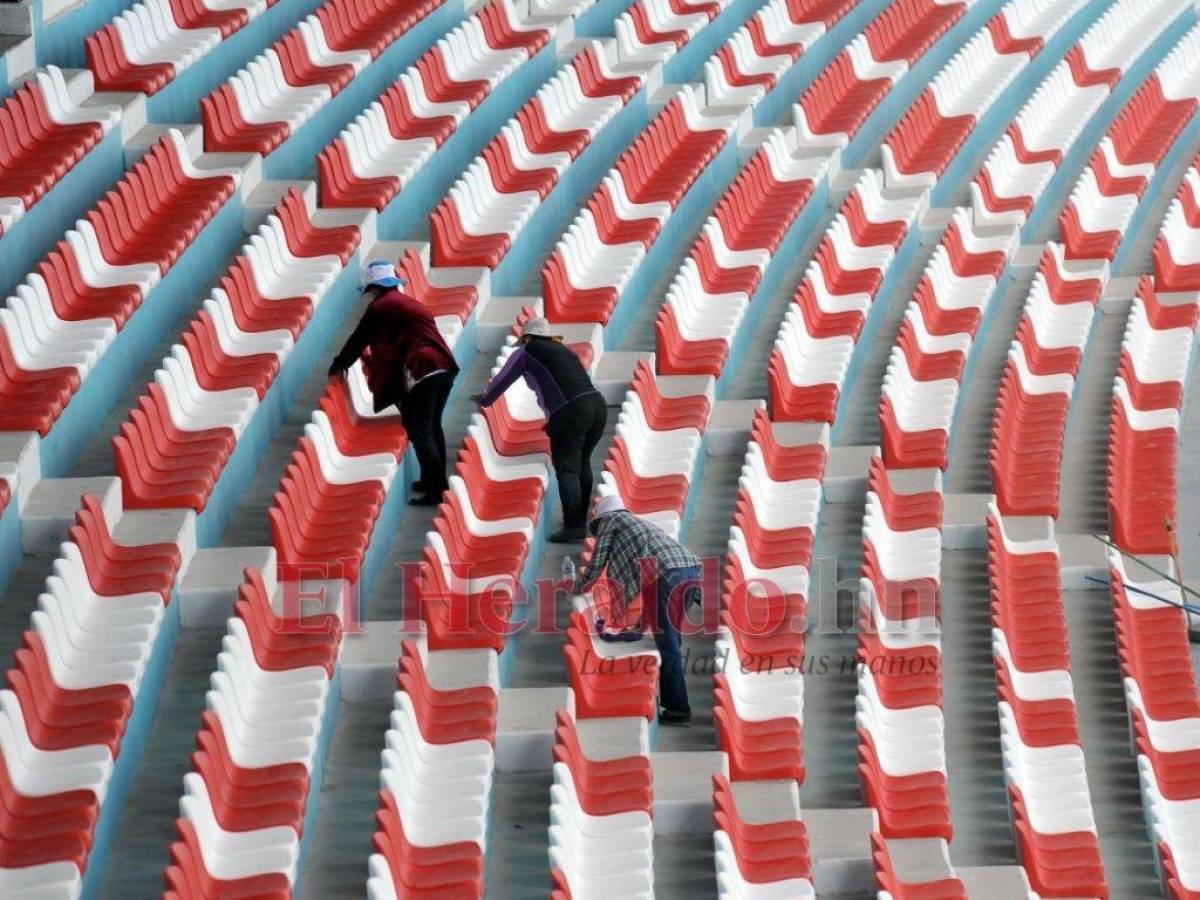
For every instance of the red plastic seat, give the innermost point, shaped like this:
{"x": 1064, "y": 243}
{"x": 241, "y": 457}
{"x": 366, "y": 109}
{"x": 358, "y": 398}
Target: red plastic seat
{"x": 188, "y": 879}
{"x": 910, "y": 806}
{"x": 949, "y": 888}
{"x": 626, "y": 686}
{"x": 445, "y": 871}
{"x": 758, "y": 751}
{"x": 766, "y": 852}
{"x": 114, "y": 71}
{"x": 604, "y": 787}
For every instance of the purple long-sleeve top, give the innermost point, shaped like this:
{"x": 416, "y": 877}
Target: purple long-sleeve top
{"x": 552, "y": 371}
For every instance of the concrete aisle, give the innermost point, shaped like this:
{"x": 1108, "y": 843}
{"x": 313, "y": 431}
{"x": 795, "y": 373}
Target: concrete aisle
{"x": 975, "y": 768}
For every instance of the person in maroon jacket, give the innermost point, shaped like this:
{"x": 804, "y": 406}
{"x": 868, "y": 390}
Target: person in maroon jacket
{"x": 407, "y": 363}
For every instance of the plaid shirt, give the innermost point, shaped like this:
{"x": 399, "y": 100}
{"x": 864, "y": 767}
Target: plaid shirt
{"x": 623, "y": 542}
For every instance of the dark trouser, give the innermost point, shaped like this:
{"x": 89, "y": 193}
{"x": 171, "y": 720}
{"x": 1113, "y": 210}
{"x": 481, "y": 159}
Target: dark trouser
{"x": 678, "y": 589}
{"x": 574, "y": 432}
{"x": 421, "y": 415}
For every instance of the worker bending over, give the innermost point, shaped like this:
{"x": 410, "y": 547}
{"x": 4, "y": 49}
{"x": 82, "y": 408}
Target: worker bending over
{"x": 626, "y": 548}
{"x": 406, "y": 362}
{"x": 575, "y": 415}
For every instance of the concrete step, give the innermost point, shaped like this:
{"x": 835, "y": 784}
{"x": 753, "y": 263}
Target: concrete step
{"x": 209, "y": 588}
{"x": 19, "y": 456}
{"x": 615, "y": 372}
{"x": 525, "y": 727}
{"x": 994, "y": 882}
{"x": 148, "y": 135}
{"x": 729, "y": 427}
{"x": 683, "y": 790}
{"x": 49, "y": 510}
{"x": 839, "y": 843}
{"x": 846, "y": 471}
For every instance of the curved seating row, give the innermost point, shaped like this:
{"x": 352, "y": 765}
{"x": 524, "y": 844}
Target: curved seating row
{"x": 914, "y": 869}
{"x": 602, "y": 799}
{"x": 242, "y": 813}
{"x": 1025, "y": 159}
{"x": 266, "y": 102}
{"x": 1160, "y": 692}
{"x": 751, "y": 62}
{"x": 436, "y": 777}
{"x": 1038, "y": 382}
{"x": 62, "y": 320}
{"x": 812, "y": 353}
{"x": 324, "y": 512}
{"x": 485, "y": 211}
{"x": 477, "y": 546}
{"x": 758, "y": 699}
{"x": 1152, "y": 636}
{"x": 437, "y": 768}
{"x": 1049, "y": 800}
{"x": 70, "y": 695}
{"x": 477, "y": 222}
{"x": 1108, "y": 192}
{"x": 898, "y": 711}
{"x": 44, "y": 133}
{"x": 174, "y": 447}
{"x": 435, "y": 803}
{"x": 393, "y": 138}
{"x": 153, "y": 41}
{"x": 757, "y": 858}
{"x": 657, "y": 444}
{"x": 650, "y": 32}
{"x": 709, "y": 296}
{"x": 602, "y": 796}
{"x": 936, "y": 126}
{"x": 1147, "y": 408}
{"x": 837, "y": 103}
{"x": 925, "y": 370}
{"x": 586, "y": 273}
{"x": 1046, "y": 354}
{"x": 1176, "y": 254}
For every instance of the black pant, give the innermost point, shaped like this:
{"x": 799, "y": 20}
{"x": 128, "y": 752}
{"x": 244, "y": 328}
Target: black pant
{"x": 574, "y": 432}
{"x": 421, "y": 415}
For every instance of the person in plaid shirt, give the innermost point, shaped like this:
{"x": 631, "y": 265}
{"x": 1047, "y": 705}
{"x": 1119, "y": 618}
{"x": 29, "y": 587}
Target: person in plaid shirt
{"x": 628, "y": 549}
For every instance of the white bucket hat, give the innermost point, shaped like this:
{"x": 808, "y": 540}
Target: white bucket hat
{"x": 609, "y": 504}
{"x": 380, "y": 274}
{"x": 536, "y": 327}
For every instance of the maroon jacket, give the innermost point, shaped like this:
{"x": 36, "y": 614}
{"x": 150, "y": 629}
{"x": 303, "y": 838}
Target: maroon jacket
{"x": 395, "y": 333}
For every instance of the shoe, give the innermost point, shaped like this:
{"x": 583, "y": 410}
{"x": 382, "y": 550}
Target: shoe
{"x": 568, "y": 535}
{"x": 425, "y": 500}
{"x": 675, "y": 717}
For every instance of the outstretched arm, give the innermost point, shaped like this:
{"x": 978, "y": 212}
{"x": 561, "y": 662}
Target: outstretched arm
{"x": 596, "y": 564}
{"x": 513, "y": 369}
{"x": 354, "y": 346}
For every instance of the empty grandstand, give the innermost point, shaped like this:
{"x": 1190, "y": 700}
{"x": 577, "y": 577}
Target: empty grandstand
{"x": 893, "y": 305}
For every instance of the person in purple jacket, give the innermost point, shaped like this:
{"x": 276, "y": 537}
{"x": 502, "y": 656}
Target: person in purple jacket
{"x": 575, "y": 416}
